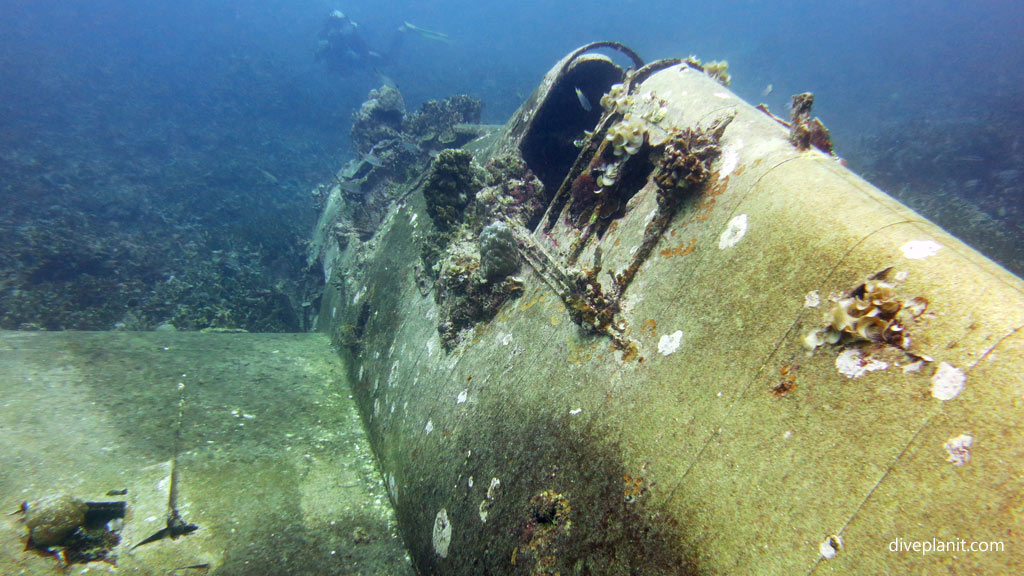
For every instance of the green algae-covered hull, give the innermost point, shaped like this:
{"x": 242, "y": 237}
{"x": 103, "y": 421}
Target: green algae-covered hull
{"x": 721, "y": 422}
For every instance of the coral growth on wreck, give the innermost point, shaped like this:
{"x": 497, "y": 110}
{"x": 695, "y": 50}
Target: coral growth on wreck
{"x": 435, "y": 125}
{"x": 465, "y": 298}
{"x": 805, "y": 131}
{"x": 719, "y": 70}
{"x": 512, "y": 193}
{"x": 626, "y": 136}
{"x": 716, "y": 69}
{"x": 472, "y": 252}
{"x": 545, "y": 532}
{"x": 871, "y": 312}
{"x": 394, "y": 148}
{"x": 686, "y": 160}
{"x": 679, "y": 163}
{"x": 379, "y": 118}
{"x": 683, "y": 167}
{"x": 499, "y": 255}
{"x": 450, "y": 186}
{"x": 616, "y": 99}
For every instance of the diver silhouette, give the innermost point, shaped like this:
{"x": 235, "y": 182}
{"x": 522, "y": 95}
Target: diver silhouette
{"x": 343, "y": 48}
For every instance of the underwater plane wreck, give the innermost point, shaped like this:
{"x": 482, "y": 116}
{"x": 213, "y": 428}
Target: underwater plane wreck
{"x": 642, "y": 328}
{"x": 673, "y": 334}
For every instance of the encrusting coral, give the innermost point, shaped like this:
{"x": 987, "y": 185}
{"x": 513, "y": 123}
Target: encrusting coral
{"x": 464, "y": 297}
{"x": 472, "y": 252}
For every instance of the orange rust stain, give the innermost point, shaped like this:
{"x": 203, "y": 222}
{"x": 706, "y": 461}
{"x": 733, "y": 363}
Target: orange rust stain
{"x": 681, "y": 250}
{"x": 708, "y": 202}
{"x": 649, "y": 328}
{"x": 739, "y": 170}
{"x": 531, "y": 303}
{"x": 788, "y": 382}
{"x": 719, "y": 186}
{"x": 579, "y": 354}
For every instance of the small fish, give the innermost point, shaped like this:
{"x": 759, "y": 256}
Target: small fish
{"x": 583, "y": 100}
{"x": 424, "y": 33}
{"x": 767, "y": 90}
{"x": 268, "y": 175}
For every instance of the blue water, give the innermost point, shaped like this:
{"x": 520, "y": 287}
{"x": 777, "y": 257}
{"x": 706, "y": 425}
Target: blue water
{"x": 197, "y": 61}
{"x": 214, "y": 113}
